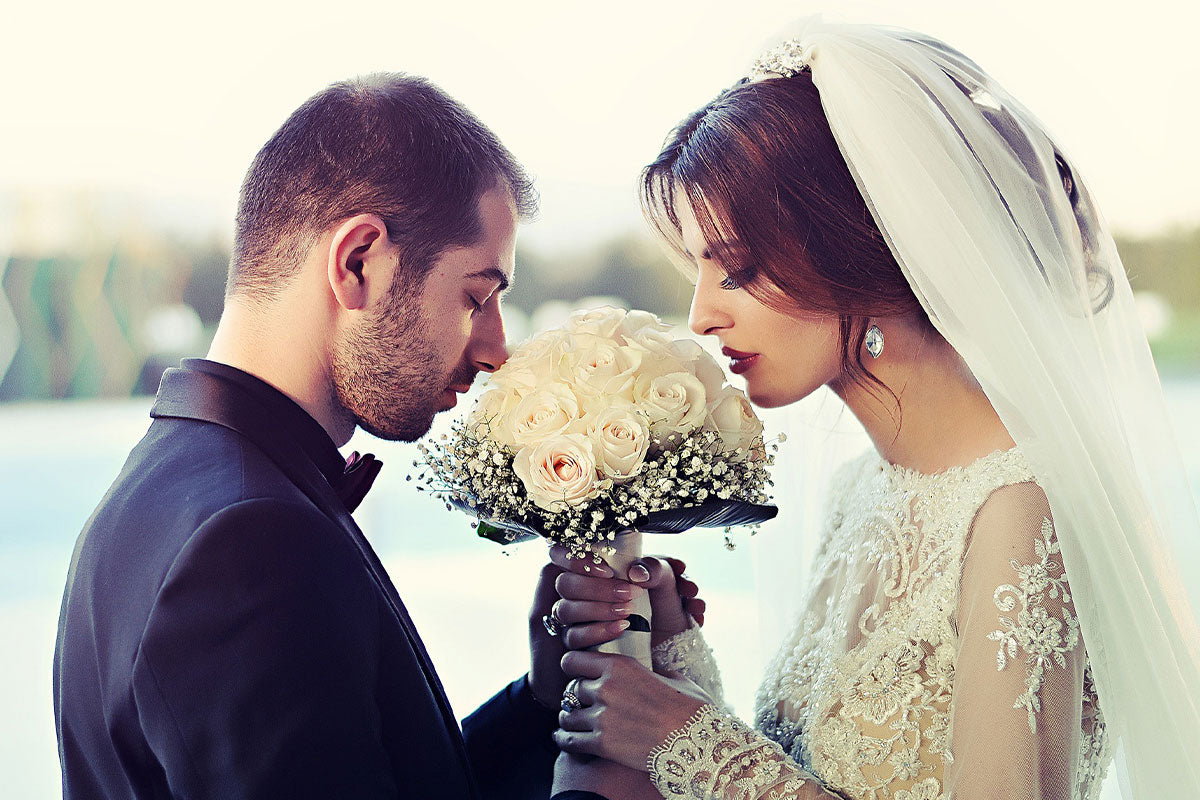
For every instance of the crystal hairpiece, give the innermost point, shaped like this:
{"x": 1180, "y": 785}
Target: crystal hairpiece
{"x": 782, "y": 61}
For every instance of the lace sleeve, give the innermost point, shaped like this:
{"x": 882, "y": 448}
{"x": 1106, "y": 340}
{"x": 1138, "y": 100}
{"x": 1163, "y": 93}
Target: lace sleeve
{"x": 688, "y": 654}
{"x": 1019, "y": 678}
{"x": 716, "y": 756}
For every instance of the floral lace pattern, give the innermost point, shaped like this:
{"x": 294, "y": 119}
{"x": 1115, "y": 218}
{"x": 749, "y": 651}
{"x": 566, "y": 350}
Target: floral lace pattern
{"x": 859, "y": 697}
{"x": 1044, "y": 639}
{"x": 716, "y": 755}
{"x": 688, "y": 654}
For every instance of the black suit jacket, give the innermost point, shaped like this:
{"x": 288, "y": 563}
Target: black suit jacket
{"x": 228, "y": 632}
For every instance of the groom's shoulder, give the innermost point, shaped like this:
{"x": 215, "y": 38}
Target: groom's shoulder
{"x": 183, "y": 475}
{"x": 191, "y": 469}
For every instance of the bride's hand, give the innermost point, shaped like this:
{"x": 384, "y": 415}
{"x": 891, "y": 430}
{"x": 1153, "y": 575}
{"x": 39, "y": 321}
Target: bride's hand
{"x": 591, "y": 600}
{"x": 627, "y": 709}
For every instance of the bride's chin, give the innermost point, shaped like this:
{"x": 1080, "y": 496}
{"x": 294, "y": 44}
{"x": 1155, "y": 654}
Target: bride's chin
{"x": 766, "y": 398}
{"x": 775, "y": 396}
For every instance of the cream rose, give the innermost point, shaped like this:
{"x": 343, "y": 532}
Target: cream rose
{"x": 558, "y": 472}
{"x": 620, "y": 438}
{"x": 732, "y": 417}
{"x": 603, "y": 321}
{"x": 487, "y": 417}
{"x": 701, "y": 364}
{"x": 673, "y": 403}
{"x": 541, "y": 414}
{"x": 637, "y": 320}
{"x": 535, "y": 362}
{"x": 606, "y": 369}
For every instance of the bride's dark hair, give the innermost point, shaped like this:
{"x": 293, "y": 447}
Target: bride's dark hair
{"x": 773, "y": 195}
{"x": 771, "y": 192}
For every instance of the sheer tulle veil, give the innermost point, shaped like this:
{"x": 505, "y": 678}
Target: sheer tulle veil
{"x": 1019, "y": 273}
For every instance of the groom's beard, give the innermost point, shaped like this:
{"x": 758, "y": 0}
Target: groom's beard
{"x": 386, "y": 374}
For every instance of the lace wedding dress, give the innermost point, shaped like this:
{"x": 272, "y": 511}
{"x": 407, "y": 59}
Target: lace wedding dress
{"x": 938, "y": 655}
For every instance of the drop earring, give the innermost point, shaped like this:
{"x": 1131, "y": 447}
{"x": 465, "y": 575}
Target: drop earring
{"x": 874, "y": 341}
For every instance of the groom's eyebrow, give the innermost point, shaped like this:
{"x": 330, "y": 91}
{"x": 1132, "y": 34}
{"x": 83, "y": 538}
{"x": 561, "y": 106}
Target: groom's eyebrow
{"x": 494, "y": 274}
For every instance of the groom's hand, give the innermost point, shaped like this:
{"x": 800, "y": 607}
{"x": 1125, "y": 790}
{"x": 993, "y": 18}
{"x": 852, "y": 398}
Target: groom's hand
{"x": 607, "y": 778}
{"x": 546, "y": 678}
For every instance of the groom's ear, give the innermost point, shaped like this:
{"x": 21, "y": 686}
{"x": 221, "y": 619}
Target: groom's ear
{"x": 361, "y": 260}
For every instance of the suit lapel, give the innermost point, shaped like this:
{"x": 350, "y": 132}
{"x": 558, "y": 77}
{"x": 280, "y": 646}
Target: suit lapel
{"x": 190, "y": 394}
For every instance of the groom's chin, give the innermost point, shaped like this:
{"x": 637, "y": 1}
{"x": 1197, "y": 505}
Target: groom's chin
{"x": 410, "y": 428}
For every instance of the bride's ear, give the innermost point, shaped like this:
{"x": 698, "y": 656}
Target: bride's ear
{"x": 362, "y": 261}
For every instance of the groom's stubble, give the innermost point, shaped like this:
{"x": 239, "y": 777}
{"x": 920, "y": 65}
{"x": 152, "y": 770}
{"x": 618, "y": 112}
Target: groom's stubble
{"x": 385, "y": 372}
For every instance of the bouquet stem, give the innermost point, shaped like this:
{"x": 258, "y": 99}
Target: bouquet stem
{"x": 635, "y": 640}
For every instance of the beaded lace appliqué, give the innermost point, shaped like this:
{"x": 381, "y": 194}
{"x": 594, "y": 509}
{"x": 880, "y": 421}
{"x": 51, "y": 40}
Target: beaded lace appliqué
{"x": 688, "y": 654}
{"x": 1044, "y": 639}
{"x": 715, "y": 755}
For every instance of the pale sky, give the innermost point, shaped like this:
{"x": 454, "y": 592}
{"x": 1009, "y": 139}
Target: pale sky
{"x": 167, "y": 103}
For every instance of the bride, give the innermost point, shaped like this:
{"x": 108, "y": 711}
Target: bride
{"x": 993, "y": 611}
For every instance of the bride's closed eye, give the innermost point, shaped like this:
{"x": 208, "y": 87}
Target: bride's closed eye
{"x": 729, "y": 283}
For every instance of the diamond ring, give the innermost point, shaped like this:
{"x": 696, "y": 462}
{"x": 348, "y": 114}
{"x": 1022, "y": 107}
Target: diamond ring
{"x": 570, "y": 700}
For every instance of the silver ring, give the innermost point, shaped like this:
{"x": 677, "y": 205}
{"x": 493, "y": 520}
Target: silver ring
{"x": 552, "y": 625}
{"x": 570, "y": 701}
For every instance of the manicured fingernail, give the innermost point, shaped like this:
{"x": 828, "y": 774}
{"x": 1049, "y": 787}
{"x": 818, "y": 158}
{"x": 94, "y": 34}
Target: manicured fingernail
{"x": 623, "y": 592}
{"x": 639, "y": 574}
{"x": 598, "y": 569}
{"x": 623, "y": 610}
{"x": 618, "y": 626}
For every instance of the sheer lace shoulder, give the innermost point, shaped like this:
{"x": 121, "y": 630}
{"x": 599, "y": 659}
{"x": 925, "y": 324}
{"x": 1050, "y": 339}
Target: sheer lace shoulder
{"x": 1022, "y": 684}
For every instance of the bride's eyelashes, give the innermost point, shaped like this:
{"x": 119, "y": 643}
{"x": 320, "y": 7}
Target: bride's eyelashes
{"x": 744, "y": 277}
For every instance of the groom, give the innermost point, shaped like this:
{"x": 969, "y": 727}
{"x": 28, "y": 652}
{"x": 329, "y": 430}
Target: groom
{"x": 226, "y": 629}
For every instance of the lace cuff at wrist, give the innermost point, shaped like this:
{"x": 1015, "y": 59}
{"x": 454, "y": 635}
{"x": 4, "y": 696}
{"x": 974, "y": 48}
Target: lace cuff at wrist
{"x": 717, "y": 756}
{"x": 688, "y": 654}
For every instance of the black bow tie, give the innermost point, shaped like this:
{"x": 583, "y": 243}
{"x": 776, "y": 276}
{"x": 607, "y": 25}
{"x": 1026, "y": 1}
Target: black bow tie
{"x": 357, "y": 479}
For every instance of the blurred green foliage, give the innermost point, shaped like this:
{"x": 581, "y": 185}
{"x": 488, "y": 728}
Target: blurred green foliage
{"x": 106, "y": 318}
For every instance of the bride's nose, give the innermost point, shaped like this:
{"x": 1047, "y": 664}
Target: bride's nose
{"x": 706, "y": 316}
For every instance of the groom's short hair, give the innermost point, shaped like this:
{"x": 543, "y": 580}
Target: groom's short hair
{"x": 389, "y": 144}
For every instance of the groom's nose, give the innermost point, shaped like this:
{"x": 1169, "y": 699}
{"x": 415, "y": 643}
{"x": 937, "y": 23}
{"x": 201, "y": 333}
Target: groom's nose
{"x": 487, "y": 348}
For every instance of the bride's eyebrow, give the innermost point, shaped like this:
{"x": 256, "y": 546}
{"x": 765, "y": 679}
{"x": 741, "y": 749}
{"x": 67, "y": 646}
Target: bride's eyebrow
{"x": 715, "y": 250}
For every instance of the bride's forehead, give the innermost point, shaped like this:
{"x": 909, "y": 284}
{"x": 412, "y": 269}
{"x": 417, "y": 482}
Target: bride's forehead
{"x": 719, "y": 235}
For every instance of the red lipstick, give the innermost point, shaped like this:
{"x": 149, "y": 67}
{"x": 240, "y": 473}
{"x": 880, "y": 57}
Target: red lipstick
{"x": 741, "y": 361}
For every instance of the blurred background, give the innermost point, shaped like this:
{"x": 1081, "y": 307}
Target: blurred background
{"x": 126, "y": 128}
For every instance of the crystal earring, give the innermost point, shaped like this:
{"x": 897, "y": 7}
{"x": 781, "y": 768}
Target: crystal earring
{"x": 874, "y": 341}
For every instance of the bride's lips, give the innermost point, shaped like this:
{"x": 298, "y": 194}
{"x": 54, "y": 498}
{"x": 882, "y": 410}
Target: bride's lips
{"x": 741, "y": 361}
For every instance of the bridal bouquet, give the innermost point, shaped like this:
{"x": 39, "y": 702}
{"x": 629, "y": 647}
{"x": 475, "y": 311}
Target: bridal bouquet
{"x": 606, "y": 425}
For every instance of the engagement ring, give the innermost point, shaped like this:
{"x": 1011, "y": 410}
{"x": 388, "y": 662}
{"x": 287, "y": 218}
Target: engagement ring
{"x": 570, "y": 701}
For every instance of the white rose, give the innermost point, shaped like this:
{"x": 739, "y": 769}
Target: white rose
{"x": 542, "y": 414}
{"x": 653, "y": 340}
{"x": 620, "y": 438}
{"x": 636, "y": 320}
{"x": 674, "y": 403}
{"x": 605, "y": 369}
{"x": 558, "y": 471}
{"x": 603, "y": 321}
{"x": 487, "y": 417}
{"x": 732, "y": 417}
{"x": 535, "y": 362}
{"x": 700, "y": 364}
